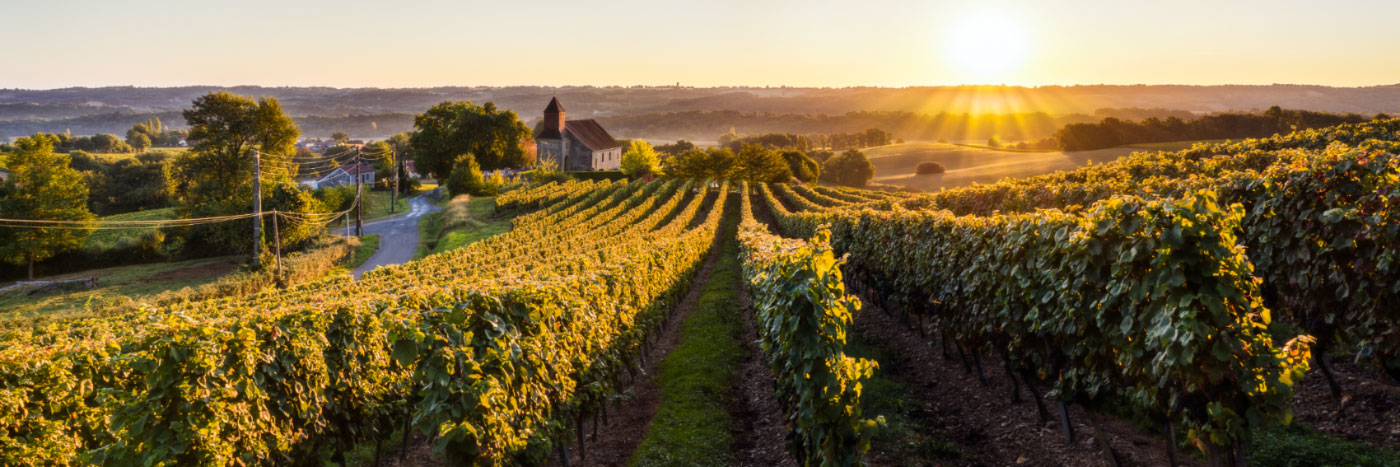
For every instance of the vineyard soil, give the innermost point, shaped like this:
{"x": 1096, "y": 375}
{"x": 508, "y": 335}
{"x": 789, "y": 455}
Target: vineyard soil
{"x": 982, "y": 421}
{"x": 1371, "y": 416}
{"x": 759, "y": 431}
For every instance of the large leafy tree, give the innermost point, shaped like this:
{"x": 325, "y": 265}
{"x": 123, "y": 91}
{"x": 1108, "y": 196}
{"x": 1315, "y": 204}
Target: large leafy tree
{"x": 41, "y": 187}
{"x": 451, "y": 128}
{"x": 712, "y": 163}
{"x": 218, "y": 171}
{"x": 851, "y": 168}
{"x": 757, "y": 163}
{"x": 227, "y": 129}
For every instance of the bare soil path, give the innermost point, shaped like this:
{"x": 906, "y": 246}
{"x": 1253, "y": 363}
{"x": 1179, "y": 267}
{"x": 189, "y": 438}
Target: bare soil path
{"x": 982, "y": 420}
{"x": 760, "y": 433}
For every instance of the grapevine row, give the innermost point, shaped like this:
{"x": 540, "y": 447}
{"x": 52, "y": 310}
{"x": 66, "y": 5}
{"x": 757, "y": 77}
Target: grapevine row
{"x": 285, "y": 380}
{"x": 1150, "y": 300}
{"x": 803, "y": 315}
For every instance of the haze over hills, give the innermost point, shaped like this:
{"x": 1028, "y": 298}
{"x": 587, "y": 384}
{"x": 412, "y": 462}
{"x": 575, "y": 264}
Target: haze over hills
{"x": 375, "y": 112}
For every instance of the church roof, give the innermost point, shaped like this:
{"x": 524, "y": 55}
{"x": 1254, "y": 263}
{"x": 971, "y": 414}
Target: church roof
{"x": 591, "y": 134}
{"x": 554, "y": 106}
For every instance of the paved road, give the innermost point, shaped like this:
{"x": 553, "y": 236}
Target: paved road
{"x": 398, "y": 236}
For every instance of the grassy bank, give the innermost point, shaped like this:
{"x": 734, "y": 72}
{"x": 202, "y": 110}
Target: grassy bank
{"x": 369, "y": 244}
{"x": 462, "y": 222}
{"x": 106, "y": 239}
{"x": 691, "y": 426}
{"x": 124, "y": 281}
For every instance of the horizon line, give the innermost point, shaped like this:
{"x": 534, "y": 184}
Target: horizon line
{"x": 674, "y": 86}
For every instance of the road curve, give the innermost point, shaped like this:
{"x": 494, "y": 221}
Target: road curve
{"x": 398, "y": 236}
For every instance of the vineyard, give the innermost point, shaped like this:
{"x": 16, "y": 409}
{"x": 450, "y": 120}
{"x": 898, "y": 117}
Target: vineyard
{"x": 1195, "y": 288}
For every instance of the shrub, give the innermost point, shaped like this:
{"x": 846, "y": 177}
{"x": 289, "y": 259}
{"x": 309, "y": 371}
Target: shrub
{"x": 546, "y": 171}
{"x": 929, "y": 167}
{"x": 466, "y": 178}
{"x": 640, "y": 160}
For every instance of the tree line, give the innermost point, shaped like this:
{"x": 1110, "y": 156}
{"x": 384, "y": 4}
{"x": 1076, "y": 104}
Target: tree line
{"x": 835, "y": 141}
{"x": 1112, "y": 132}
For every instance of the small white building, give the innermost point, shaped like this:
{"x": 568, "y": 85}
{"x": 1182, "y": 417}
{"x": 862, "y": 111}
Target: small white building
{"x": 343, "y": 175}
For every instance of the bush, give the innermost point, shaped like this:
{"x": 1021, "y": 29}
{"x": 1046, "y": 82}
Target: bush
{"x": 640, "y": 160}
{"x": 466, "y": 178}
{"x": 929, "y": 167}
{"x": 601, "y": 175}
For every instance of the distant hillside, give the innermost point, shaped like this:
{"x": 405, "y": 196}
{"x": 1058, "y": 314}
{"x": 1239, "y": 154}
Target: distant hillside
{"x": 22, "y": 111}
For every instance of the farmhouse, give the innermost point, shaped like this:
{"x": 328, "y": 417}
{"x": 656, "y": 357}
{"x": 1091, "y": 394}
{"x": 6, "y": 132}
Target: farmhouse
{"x": 576, "y": 144}
{"x": 343, "y": 175}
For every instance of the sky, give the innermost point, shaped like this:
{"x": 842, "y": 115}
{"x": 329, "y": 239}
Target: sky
{"x": 419, "y": 43}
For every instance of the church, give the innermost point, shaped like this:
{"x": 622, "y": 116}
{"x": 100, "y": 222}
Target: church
{"x": 576, "y": 145}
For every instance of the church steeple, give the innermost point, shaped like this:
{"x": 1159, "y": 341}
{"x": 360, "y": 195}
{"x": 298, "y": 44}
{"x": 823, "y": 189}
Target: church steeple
{"x": 553, "y": 120}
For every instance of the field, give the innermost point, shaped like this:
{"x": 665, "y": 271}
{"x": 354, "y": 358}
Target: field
{"x": 894, "y": 164}
{"x": 115, "y": 283}
{"x": 105, "y": 239}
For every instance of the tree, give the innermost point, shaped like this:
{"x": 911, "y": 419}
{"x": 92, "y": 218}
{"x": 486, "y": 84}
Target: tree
{"x": 677, "y": 148}
{"x": 759, "y": 164}
{"x": 140, "y": 142}
{"x": 640, "y": 160}
{"x": 340, "y": 137}
{"x": 402, "y": 145}
{"x": 384, "y": 160}
{"x": 713, "y": 163}
{"x": 803, "y": 168}
{"x": 851, "y": 168}
{"x": 466, "y": 178}
{"x": 137, "y": 131}
{"x": 403, "y": 149}
{"x": 451, "y": 128}
{"x": 106, "y": 143}
{"x": 41, "y": 186}
{"x": 218, "y": 171}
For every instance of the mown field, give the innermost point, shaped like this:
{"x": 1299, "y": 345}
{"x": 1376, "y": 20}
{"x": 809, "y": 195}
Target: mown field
{"x": 895, "y": 163}
{"x": 124, "y": 281}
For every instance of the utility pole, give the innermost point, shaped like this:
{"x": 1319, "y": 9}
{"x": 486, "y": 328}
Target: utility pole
{"x": 360, "y": 205}
{"x": 394, "y": 198}
{"x": 277, "y": 239}
{"x": 257, "y": 207}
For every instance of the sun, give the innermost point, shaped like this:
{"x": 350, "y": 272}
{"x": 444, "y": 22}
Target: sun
{"x": 986, "y": 45}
